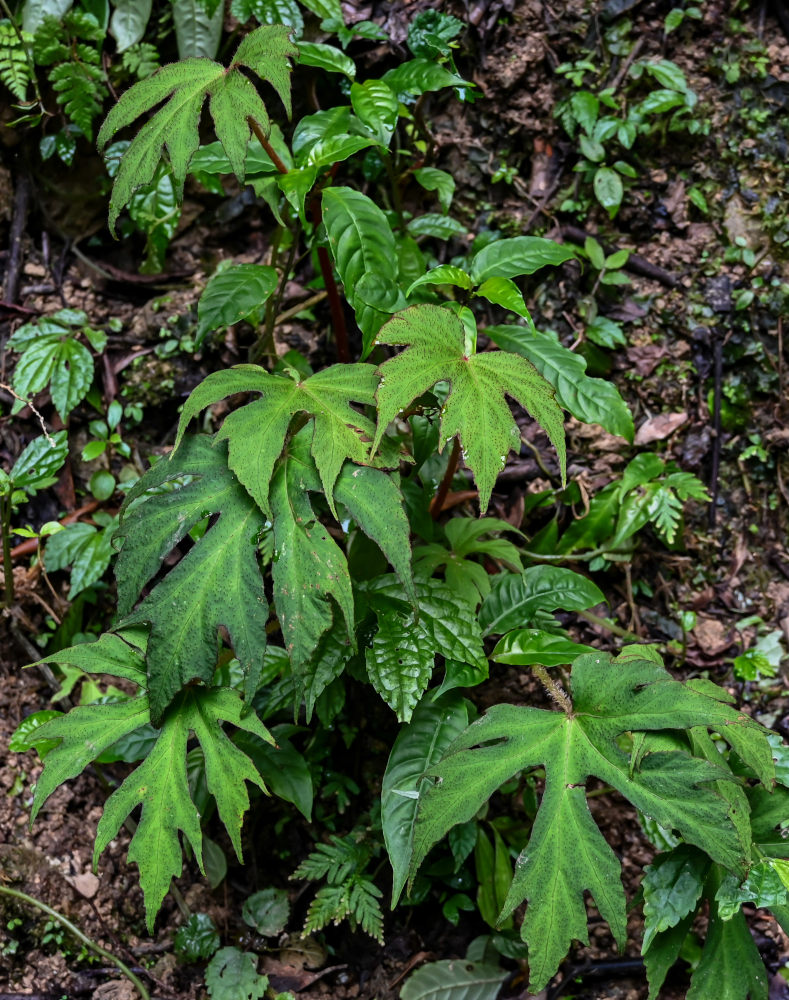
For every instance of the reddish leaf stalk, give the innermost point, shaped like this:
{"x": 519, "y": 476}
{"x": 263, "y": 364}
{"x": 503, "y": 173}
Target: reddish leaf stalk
{"x": 437, "y": 503}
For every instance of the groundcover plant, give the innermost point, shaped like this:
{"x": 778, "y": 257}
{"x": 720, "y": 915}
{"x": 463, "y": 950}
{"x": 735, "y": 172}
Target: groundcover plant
{"x": 270, "y": 600}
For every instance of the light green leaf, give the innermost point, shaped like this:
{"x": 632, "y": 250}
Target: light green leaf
{"x": 326, "y": 57}
{"x": 361, "y": 243}
{"x": 433, "y": 179}
{"x": 217, "y": 583}
{"x": 440, "y": 226}
{"x": 419, "y": 744}
{"x": 85, "y": 548}
{"x": 592, "y": 400}
{"x": 454, "y": 979}
{"x": 120, "y": 655}
{"x": 256, "y": 432}
{"x": 65, "y": 364}
{"x": 376, "y": 104}
{"x": 516, "y": 598}
{"x": 310, "y": 570}
{"x": 444, "y": 274}
{"x": 375, "y": 502}
{"x": 475, "y": 409}
{"x": 566, "y": 855}
{"x": 519, "y": 255}
{"x": 418, "y": 76}
{"x": 529, "y": 646}
{"x": 160, "y": 785}
{"x": 175, "y": 127}
{"x": 608, "y": 189}
{"x": 232, "y": 294}
{"x": 505, "y": 293}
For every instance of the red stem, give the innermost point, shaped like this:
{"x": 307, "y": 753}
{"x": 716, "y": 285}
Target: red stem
{"x": 437, "y": 503}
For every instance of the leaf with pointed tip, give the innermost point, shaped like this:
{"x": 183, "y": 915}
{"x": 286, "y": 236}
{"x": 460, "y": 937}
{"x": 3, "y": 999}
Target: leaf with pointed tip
{"x": 454, "y": 979}
{"x": 217, "y": 582}
{"x": 256, "y": 432}
{"x": 517, "y": 597}
{"x": 401, "y": 657}
{"x": 566, "y": 855}
{"x": 475, "y": 409}
{"x": 731, "y": 967}
{"x": 433, "y": 726}
{"x": 160, "y": 785}
{"x": 184, "y": 87}
{"x": 529, "y": 646}
{"x": 592, "y": 400}
{"x": 518, "y": 255}
{"x": 363, "y": 247}
{"x": 120, "y": 655}
{"x": 309, "y": 570}
{"x": 375, "y": 502}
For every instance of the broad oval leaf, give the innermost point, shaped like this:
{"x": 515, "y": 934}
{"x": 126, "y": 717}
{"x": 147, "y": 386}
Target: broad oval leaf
{"x": 376, "y": 104}
{"x": 516, "y": 598}
{"x": 529, "y": 647}
{"x": 519, "y": 255}
{"x": 128, "y": 22}
{"x": 418, "y": 76}
{"x": 608, "y": 189}
{"x": 454, "y": 979}
{"x": 444, "y": 274}
{"x": 361, "y": 243}
{"x": 592, "y": 400}
{"x": 326, "y": 57}
{"x": 232, "y": 294}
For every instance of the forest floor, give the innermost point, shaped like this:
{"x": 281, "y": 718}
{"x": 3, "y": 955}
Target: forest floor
{"x": 690, "y": 331}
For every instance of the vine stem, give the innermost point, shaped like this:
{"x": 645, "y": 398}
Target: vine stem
{"x": 88, "y": 942}
{"x": 335, "y": 303}
{"x": 437, "y": 502}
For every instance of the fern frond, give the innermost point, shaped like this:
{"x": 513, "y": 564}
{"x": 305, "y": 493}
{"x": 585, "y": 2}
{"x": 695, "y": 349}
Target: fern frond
{"x": 665, "y": 511}
{"x": 14, "y": 65}
{"x": 141, "y": 59}
{"x": 335, "y": 861}
{"x": 80, "y": 91}
{"x": 331, "y": 905}
{"x": 184, "y": 86}
{"x": 687, "y": 486}
{"x": 364, "y": 908}
{"x": 49, "y": 46}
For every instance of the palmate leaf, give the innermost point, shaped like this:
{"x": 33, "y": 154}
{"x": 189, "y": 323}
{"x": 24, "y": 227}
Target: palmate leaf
{"x": 256, "y": 432}
{"x": 184, "y": 86}
{"x": 402, "y": 654}
{"x": 475, "y": 409}
{"x": 160, "y": 783}
{"x": 566, "y": 855}
{"x": 218, "y": 582}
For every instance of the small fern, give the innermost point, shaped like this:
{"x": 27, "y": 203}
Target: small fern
{"x": 72, "y": 48}
{"x": 15, "y": 71}
{"x": 351, "y": 894}
{"x": 80, "y": 92}
{"x": 141, "y": 60}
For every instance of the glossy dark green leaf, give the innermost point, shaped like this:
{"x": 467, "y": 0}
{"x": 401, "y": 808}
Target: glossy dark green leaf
{"x": 529, "y": 646}
{"x": 518, "y": 255}
{"x": 232, "y": 294}
{"x": 419, "y": 744}
{"x": 517, "y": 597}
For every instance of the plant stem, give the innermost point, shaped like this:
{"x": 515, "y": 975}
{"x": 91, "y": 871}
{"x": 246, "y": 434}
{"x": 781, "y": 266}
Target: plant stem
{"x": 441, "y": 494}
{"x": 265, "y": 345}
{"x": 88, "y": 942}
{"x": 260, "y": 135}
{"x": 556, "y": 692}
{"x": 594, "y": 619}
{"x": 8, "y": 564}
